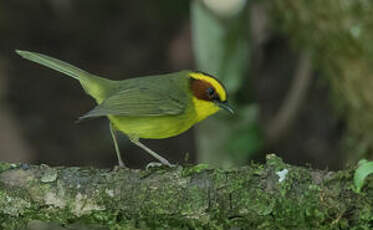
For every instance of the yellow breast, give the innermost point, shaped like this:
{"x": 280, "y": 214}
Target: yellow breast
{"x": 164, "y": 126}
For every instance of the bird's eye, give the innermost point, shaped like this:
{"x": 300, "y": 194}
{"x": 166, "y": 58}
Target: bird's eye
{"x": 210, "y": 91}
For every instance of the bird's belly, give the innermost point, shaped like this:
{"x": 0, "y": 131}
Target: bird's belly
{"x": 153, "y": 127}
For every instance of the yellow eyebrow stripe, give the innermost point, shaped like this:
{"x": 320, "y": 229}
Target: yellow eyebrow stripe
{"x": 215, "y": 83}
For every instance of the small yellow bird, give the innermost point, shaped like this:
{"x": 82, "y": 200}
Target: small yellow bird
{"x": 153, "y": 107}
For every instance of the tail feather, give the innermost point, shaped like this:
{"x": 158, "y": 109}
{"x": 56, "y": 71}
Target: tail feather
{"x": 95, "y": 86}
{"x": 53, "y": 63}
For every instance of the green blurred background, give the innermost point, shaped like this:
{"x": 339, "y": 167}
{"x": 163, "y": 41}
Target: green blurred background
{"x": 299, "y": 74}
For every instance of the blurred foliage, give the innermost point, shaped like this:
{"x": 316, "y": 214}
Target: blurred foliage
{"x": 221, "y": 43}
{"x": 246, "y": 137}
{"x": 339, "y": 35}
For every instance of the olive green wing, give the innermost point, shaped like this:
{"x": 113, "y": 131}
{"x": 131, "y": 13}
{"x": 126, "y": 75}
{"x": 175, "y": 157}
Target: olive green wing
{"x": 152, "y": 97}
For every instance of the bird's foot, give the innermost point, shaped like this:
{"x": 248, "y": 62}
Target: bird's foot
{"x": 118, "y": 167}
{"x": 158, "y": 164}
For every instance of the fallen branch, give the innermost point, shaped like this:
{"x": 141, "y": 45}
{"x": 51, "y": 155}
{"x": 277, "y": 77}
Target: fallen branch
{"x": 273, "y": 196}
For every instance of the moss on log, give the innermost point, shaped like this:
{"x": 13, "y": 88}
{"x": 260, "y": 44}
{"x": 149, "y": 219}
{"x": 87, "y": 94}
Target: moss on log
{"x": 271, "y": 196}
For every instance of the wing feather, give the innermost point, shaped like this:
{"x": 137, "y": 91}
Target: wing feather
{"x": 156, "y": 96}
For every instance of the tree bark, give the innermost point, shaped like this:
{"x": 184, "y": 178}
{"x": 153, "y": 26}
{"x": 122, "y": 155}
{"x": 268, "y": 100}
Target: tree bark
{"x": 271, "y": 196}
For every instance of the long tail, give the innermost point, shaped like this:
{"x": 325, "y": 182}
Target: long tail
{"x": 95, "y": 86}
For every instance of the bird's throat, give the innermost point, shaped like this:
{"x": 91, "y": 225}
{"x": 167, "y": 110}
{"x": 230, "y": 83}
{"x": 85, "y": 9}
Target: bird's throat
{"x": 203, "y": 108}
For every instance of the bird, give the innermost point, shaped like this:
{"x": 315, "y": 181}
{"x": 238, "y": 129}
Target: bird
{"x": 147, "y": 107}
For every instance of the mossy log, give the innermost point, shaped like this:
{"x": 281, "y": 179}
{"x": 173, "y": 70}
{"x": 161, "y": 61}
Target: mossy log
{"x": 271, "y": 196}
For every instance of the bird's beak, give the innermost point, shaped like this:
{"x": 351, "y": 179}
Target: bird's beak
{"x": 225, "y": 105}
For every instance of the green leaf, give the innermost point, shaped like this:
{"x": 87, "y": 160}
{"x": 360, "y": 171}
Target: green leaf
{"x": 365, "y": 168}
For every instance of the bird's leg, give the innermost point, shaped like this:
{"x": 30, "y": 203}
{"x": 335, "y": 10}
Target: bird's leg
{"x": 112, "y": 131}
{"x": 151, "y": 152}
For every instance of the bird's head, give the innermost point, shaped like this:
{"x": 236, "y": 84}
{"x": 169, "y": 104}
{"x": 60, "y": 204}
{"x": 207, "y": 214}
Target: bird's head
{"x": 209, "y": 95}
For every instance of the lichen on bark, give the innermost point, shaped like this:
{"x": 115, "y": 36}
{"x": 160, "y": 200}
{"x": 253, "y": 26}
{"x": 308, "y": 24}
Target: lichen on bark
{"x": 271, "y": 196}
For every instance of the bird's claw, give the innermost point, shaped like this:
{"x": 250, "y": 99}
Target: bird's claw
{"x": 118, "y": 167}
{"x": 158, "y": 164}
